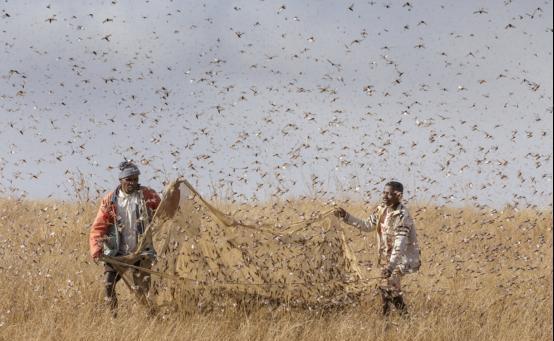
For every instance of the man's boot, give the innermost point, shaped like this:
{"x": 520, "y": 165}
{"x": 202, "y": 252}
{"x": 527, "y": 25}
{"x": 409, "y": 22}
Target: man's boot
{"x": 399, "y": 304}
{"x": 385, "y": 296}
{"x": 111, "y": 299}
{"x": 111, "y": 277}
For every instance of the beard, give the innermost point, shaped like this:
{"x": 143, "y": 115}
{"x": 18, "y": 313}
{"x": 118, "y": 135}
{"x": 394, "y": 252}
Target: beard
{"x": 131, "y": 188}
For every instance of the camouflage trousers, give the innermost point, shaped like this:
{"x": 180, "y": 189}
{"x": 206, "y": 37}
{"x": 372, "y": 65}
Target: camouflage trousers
{"x": 391, "y": 286}
{"x": 391, "y": 293}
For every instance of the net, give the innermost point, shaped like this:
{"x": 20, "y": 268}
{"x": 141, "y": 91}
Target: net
{"x": 207, "y": 258}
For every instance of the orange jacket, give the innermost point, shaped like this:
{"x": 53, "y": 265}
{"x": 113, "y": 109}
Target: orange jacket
{"x": 108, "y": 212}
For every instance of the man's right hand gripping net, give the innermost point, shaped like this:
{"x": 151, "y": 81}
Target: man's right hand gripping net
{"x": 207, "y": 258}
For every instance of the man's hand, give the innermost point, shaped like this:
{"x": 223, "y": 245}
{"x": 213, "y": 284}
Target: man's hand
{"x": 96, "y": 256}
{"x": 340, "y": 212}
{"x": 386, "y": 272}
{"x": 98, "y": 253}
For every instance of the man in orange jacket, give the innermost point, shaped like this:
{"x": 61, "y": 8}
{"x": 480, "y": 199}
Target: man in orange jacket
{"x": 123, "y": 216}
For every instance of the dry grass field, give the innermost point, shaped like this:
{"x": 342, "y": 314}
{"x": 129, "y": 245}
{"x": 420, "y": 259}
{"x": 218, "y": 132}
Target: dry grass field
{"x": 486, "y": 275}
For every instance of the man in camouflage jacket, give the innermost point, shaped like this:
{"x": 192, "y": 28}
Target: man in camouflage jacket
{"x": 397, "y": 243}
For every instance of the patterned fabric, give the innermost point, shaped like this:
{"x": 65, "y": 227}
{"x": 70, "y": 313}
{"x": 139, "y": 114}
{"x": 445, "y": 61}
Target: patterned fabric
{"x": 128, "y": 169}
{"x": 108, "y": 213}
{"x": 131, "y": 220}
{"x": 397, "y": 240}
{"x": 391, "y": 285}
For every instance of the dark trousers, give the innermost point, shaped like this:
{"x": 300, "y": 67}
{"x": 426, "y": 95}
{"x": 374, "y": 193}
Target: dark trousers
{"x": 111, "y": 277}
{"x": 140, "y": 285}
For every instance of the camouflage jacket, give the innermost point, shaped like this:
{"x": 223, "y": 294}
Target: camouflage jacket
{"x": 396, "y": 237}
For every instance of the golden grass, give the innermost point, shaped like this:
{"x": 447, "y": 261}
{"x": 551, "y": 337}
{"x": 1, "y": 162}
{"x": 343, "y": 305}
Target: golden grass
{"x": 486, "y": 275}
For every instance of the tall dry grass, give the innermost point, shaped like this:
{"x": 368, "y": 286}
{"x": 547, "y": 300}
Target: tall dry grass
{"x": 486, "y": 275}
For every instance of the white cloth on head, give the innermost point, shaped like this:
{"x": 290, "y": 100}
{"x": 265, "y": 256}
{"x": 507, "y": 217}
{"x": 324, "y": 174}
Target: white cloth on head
{"x": 127, "y": 218}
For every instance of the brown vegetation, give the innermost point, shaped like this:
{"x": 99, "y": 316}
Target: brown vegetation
{"x": 486, "y": 274}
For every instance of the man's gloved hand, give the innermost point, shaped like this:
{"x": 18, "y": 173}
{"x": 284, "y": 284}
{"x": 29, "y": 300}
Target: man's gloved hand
{"x": 340, "y": 212}
{"x": 386, "y": 272}
{"x": 99, "y": 252}
{"x": 96, "y": 256}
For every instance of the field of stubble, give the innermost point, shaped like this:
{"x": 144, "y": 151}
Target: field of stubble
{"x": 486, "y": 275}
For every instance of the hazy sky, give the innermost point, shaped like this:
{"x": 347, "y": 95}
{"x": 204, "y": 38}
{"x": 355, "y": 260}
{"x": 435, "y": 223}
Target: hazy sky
{"x": 258, "y": 98}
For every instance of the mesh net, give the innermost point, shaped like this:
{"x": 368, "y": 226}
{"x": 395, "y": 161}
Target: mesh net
{"x": 209, "y": 258}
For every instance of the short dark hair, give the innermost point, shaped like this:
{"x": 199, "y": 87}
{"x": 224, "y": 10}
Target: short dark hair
{"x": 395, "y": 185}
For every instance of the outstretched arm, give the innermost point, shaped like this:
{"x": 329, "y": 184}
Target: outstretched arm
{"x": 367, "y": 225}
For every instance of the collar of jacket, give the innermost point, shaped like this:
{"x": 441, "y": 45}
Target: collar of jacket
{"x": 116, "y": 193}
{"x": 396, "y": 212}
